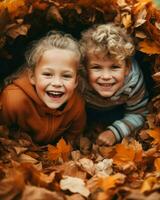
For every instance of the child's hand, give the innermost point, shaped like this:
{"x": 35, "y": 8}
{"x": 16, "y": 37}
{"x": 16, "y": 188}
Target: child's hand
{"x": 106, "y": 138}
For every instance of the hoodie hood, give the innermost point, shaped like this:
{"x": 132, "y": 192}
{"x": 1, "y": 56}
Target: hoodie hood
{"x": 24, "y": 84}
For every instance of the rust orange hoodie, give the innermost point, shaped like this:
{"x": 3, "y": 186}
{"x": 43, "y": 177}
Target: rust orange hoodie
{"x": 21, "y": 106}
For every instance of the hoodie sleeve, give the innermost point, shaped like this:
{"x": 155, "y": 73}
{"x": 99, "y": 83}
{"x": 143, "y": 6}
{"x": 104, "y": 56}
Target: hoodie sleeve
{"x": 136, "y": 110}
{"x": 12, "y": 104}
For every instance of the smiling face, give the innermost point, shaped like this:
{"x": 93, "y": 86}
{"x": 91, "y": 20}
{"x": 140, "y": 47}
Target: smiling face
{"x": 105, "y": 76}
{"x": 55, "y": 76}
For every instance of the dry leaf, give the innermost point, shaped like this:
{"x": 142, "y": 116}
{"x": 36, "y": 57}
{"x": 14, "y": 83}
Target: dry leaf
{"x": 141, "y": 18}
{"x": 148, "y": 184}
{"x": 149, "y": 47}
{"x": 53, "y": 12}
{"x": 140, "y": 34}
{"x": 155, "y": 133}
{"x": 7, "y": 185}
{"x": 37, "y": 193}
{"x": 156, "y": 76}
{"x": 87, "y": 165}
{"x": 126, "y": 20}
{"x": 75, "y": 185}
{"x": 62, "y": 149}
{"x": 140, "y": 5}
{"x": 111, "y": 181}
{"x": 17, "y": 29}
{"x": 24, "y": 158}
{"x": 157, "y": 164}
{"x": 104, "y": 168}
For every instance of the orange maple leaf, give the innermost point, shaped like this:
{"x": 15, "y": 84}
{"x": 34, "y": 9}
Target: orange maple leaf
{"x": 155, "y": 133}
{"x": 149, "y": 47}
{"x": 127, "y": 151}
{"x": 62, "y": 150}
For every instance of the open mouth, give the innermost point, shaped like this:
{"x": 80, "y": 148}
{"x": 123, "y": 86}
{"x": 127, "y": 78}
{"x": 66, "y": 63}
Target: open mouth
{"x": 55, "y": 94}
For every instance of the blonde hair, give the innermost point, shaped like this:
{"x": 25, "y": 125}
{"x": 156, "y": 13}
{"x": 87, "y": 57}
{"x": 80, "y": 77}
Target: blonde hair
{"x": 54, "y": 39}
{"x": 109, "y": 39}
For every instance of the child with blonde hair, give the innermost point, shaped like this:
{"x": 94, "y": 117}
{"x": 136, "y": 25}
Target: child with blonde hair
{"x": 112, "y": 83}
{"x": 43, "y": 100}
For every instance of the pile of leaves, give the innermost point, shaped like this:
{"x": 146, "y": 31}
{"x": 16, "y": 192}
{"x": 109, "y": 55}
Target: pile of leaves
{"x": 129, "y": 170}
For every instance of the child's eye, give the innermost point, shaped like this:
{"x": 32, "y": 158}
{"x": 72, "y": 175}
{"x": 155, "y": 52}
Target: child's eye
{"x": 47, "y": 74}
{"x": 115, "y": 67}
{"x": 67, "y": 76}
{"x": 95, "y": 67}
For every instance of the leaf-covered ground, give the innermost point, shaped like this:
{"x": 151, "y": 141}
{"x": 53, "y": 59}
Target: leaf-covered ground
{"x": 127, "y": 171}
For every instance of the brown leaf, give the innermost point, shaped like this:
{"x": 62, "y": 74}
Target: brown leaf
{"x": 17, "y": 29}
{"x": 75, "y": 197}
{"x": 7, "y": 185}
{"x": 53, "y": 12}
{"x": 156, "y": 76}
{"x": 38, "y": 193}
{"x": 149, "y": 47}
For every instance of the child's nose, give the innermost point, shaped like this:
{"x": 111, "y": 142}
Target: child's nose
{"x": 106, "y": 75}
{"x": 56, "y": 82}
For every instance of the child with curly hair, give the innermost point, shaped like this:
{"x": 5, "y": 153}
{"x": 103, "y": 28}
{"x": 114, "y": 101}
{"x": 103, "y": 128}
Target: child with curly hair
{"x": 43, "y": 100}
{"x": 112, "y": 83}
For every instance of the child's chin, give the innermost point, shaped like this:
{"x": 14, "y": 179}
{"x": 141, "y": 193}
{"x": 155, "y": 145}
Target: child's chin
{"x": 54, "y": 106}
{"x": 106, "y": 94}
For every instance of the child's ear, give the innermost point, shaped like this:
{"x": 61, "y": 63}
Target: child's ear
{"x": 31, "y": 76}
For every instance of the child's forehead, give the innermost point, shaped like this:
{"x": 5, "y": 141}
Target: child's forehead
{"x": 102, "y": 56}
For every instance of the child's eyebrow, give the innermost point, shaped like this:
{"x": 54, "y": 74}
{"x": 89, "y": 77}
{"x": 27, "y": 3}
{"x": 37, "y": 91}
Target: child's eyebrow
{"x": 66, "y": 71}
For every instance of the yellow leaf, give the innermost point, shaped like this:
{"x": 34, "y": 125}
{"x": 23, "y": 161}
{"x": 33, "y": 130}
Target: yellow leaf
{"x": 149, "y": 47}
{"x": 148, "y": 184}
{"x": 126, "y": 20}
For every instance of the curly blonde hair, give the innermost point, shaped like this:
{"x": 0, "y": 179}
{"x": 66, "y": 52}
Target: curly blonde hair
{"x": 54, "y": 39}
{"x": 109, "y": 39}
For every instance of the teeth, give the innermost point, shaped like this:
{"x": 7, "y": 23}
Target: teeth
{"x": 106, "y": 84}
{"x": 55, "y": 93}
